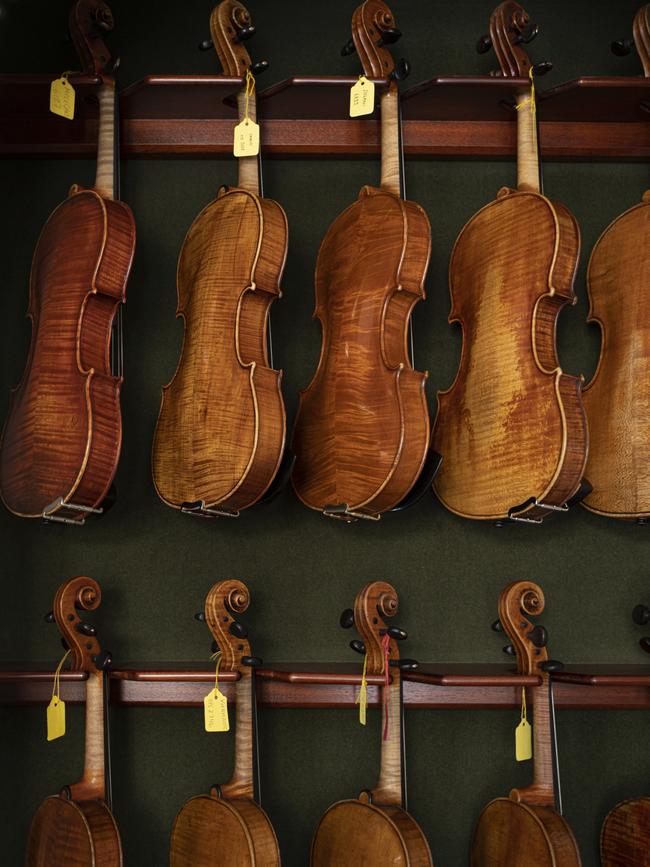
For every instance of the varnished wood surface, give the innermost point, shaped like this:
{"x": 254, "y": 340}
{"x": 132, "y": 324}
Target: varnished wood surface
{"x": 625, "y": 835}
{"x": 517, "y": 835}
{"x": 511, "y": 426}
{"x": 67, "y": 833}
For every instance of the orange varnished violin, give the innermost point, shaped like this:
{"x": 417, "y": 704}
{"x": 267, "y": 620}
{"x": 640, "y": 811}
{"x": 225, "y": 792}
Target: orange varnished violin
{"x": 361, "y": 436}
{"x": 375, "y": 829}
{"x": 511, "y": 429}
{"x": 76, "y": 828}
{"x": 527, "y": 828}
{"x": 228, "y": 825}
{"x": 617, "y": 400}
{"x": 61, "y": 441}
{"x": 625, "y": 835}
{"x": 220, "y": 435}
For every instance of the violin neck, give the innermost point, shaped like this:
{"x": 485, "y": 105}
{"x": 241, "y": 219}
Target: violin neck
{"x": 527, "y": 145}
{"x": 391, "y": 144}
{"x": 389, "y": 789}
{"x": 105, "y": 177}
{"x": 93, "y": 784}
{"x": 241, "y": 785}
{"x": 249, "y": 167}
{"x": 542, "y": 792}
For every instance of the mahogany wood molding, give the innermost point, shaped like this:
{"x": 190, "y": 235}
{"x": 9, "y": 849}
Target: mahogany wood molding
{"x": 313, "y": 685}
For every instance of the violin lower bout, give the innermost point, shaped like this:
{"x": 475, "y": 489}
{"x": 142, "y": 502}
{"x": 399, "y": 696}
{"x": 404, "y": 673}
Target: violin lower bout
{"x": 625, "y": 835}
{"x": 68, "y": 833}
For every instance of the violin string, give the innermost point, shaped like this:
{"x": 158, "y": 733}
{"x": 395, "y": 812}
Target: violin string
{"x": 117, "y": 342}
{"x": 108, "y": 773}
{"x": 402, "y": 736}
{"x": 556, "y": 765}
{"x": 257, "y": 787}
{"x": 402, "y": 190}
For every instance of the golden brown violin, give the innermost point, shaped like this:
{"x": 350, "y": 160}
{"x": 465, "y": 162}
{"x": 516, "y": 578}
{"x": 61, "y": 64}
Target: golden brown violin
{"x": 511, "y": 429}
{"x": 361, "y": 436}
{"x": 527, "y": 828}
{"x": 375, "y": 829}
{"x": 220, "y": 435}
{"x": 617, "y": 401}
{"x": 61, "y": 441}
{"x": 76, "y": 828}
{"x": 228, "y": 825}
{"x": 625, "y": 835}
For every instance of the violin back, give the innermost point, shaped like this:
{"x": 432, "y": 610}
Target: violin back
{"x": 236, "y": 831}
{"x": 62, "y": 437}
{"x": 625, "y": 836}
{"x": 511, "y": 834}
{"x": 511, "y": 428}
{"x": 67, "y": 833}
{"x": 362, "y": 430}
{"x": 356, "y": 834}
{"x": 221, "y": 428}
{"x": 617, "y": 400}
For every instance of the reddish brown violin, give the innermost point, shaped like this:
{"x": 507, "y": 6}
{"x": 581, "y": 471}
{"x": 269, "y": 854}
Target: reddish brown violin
{"x": 61, "y": 441}
{"x": 76, "y": 828}
{"x": 362, "y": 431}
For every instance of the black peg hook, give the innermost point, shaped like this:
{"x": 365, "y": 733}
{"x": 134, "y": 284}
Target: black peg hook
{"x": 238, "y": 629}
{"x": 542, "y": 68}
{"x": 245, "y": 33}
{"x": 348, "y": 48}
{"x": 622, "y": 47}
{"x": 404, "y": 664}
{"x": 551, "y": 665}
{"x": 103, "y": 660}
{"x": 395, "y": 633}
{"x": 358, "y": 646}
{"x": 527, "y": 34}
{"x": 200, "y": 616}
{"x": 641, "y": 615}
{"x": 401, "y": 71}
{"x": 484, "y": 44}
{"x": 496, "y": 626}
{"x": 538, "y": 636}
{"x": 215, "y": 647}
{"x": 49, "y": 617}
{"x": 645, "y": 643}
{"x": 206, "y": 45}
{"x": 253, "y": 661}
{"x": 86, "y": 629}
{"x": 390, "y": 36}
{"x": 347, "y": 619}
{"x": 259, "y": 67}
{"x": 509, "y": 649}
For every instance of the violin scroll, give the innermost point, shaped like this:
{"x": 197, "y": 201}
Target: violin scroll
{"x": 377, "y": 600}
{"x": 75, "y": 595}
{"x": 510, "y": 28}
{"x": 373, "y": 29}
{"x": 89, "y": 21}
{"x": 230, "y": 26}
{"x": 519, "y": 601}
{"x": 641, "y": 33}
{"x": 224, "y": 601}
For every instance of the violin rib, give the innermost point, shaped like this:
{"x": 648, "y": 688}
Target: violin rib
{"x": 511, "y": 428}
{"x": 221, "y": 429}
{"x": 62, "y": 437}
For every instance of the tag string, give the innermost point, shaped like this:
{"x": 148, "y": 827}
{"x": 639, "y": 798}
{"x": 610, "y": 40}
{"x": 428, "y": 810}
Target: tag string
{"x": 385, "y": 646}
{"x": 250, "y": 90}
{"x": 363, "y": 678}
{"x": 216, "y": 657}
{"x": 523, "y": 704}
{"x": 56, "y": 686}
{"x": 530, "y": 100}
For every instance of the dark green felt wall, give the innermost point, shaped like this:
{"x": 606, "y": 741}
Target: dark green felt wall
{"x": 156, "y": 566}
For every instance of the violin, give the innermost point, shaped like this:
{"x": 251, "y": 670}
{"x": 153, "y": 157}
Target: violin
{"x": 625, "y": 835}
{"x": 62, "y": 438}
{"x": 375, "y": 828}
{"x": 361, "y": 436}
{"x": 220, "y": 437}
{"x": 228, "y": 825}
{"x": 76, "y": 827}
{"x": 616, "y": 400}
{"x": 511, "y": 428}
{"x": 527, "y": 828}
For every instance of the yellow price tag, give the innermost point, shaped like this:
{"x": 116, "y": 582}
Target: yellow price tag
{"x": 247, "y": 139}
{"x": 362, "y": 698}
{"x": 62, "y": 97}
{"x": 362, "y": 97}
{"x": 215, "y": 708}
{"x": 55, "y": 718}
{"x": 523, "y": 734}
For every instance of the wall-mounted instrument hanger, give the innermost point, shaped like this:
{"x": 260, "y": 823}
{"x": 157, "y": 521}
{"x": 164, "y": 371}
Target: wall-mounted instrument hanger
{"x": 527, "y": 829}
{"x": 219, "y": 445}
{"x": 625, "y": 835}
{"x": 617, "y": 400}
{"x": 77, "y": 827}
{"x": 62, "y": 439}
{"x": 376, "y": 828}
{"x": 361, "y": 436}
{"x": 228, "y": 826}
{"x": 511, "y": 429}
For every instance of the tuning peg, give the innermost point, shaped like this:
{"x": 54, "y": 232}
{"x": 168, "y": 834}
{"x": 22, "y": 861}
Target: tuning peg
{"x": 496, "y": 626}
{"x": 401, "y": 71}
{"x": 67, "y": 39}
{"x": 348, "y": 48}
{"x": 527, "y": 34}
{"x": 238, "y": 629}
{"x": 102, "y": 23}
{"x": 404, "y": 664}
{"x": 215, "y": 647}
{"x": 538, "y": 636}
{"x": 245, "y": 33}
{"x": 484, "y": 44}
{"x": 640, "y": 615}
{"x": 253, "y": 661}
{"x": 509, "y": 649}
{"x": 206, "y": 45}
{"x": 542, "y": 68}
{"x": 259, "y": 67}
{"x": 86, "y": 628}
{"x": 64, "y": 644}
{"x": 103, "y": 660}
{"x": 621, "y": 47}
{"x": 645, "y": 643}
{"x": 358, "y": 646}
{"x": 395, "y": 633}
{"x": 388, "y": 37}
{"x": 347, "y": 618}
{"x": 49, "y": 617}
{"x": 200, "y": 616}
{"x": 551, "y": 665}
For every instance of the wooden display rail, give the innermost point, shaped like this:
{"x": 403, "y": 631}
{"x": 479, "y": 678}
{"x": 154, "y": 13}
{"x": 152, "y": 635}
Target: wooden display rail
{"x": 455, "y": 116}
{"x": 312, "y": 685}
